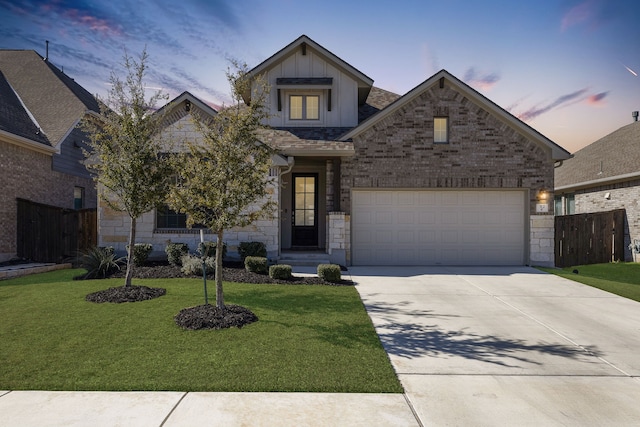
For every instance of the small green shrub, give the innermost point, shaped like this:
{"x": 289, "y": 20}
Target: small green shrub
{"x": 280, "y": 271}
{"x": 141, "y": 252}
{"x": 256, "y": 264}
{"x": 175, "y": 252}
{"x": 208, "y": 249}
{"x": 329, "y": 272}
{"x": 192, "y": 265}
{"x": 99, "y": 262}
{"x": 246, "y": 249}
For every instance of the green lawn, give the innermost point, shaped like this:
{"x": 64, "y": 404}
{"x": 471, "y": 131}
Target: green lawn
{"x": 308, "y": 338}
{"x": 619, "y": 278}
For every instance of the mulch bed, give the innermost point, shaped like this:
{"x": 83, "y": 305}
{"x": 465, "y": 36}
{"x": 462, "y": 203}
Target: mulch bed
{"x": 231, "y": 272}
{"x": 211, "y": 317}
{"x": 203, "y": 316}
{"x": 122, "y": 294}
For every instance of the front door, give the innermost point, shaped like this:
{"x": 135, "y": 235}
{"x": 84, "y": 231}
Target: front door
{"x": 305, "y": 210}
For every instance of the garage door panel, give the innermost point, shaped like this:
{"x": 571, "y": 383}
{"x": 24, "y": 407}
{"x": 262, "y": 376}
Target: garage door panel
{"x": 425, "y": 227}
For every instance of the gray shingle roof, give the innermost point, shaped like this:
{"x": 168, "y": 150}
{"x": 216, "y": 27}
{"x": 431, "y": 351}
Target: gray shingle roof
{"x": 56, "y": 101}
{"x": 14, "y": 118}
{"x": 611, "y": 156}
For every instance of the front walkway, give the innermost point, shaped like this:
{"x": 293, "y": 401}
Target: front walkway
{"x": 506, "y": 346}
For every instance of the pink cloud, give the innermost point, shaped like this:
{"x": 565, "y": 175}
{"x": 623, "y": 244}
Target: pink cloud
{"x": 483, "y": 82}
{"x": 93, "y": 23}
{"x": 578, "y": 15}
{"x": 597, "y": 100}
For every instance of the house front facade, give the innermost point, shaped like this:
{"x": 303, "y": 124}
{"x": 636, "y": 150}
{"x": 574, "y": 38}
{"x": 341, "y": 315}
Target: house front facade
{"x": 604, "y": 176}
{"x": 438, "y": 176}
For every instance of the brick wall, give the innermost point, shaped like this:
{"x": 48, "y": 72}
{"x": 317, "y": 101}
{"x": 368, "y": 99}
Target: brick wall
{"x": 483, "y": 152}
{"x": 623, "y": 195}
{"x": 27, "y": 174}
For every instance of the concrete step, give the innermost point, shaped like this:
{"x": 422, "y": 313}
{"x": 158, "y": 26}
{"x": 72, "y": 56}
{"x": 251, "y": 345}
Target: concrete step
{"x": 311, "y": 259}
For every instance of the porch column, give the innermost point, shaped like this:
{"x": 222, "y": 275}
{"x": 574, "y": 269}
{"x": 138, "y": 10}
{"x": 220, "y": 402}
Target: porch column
{"x": 338, "y": 235}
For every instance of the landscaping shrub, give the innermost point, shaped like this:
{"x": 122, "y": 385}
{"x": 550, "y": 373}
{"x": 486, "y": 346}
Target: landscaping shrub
{"x": 329, "y": 272}
{"x": 175, "y": 252}
{"x": 99, "y": 262}
{"x": 246, "y": 249}
{"x": 141, "y": 252}
{"x": 208, "y": 249}
{"x": 280, "y": 271}
{"x": 256, "y": 264}
{"x": 192, "y": 265}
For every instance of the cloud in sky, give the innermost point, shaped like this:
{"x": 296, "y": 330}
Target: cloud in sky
{"x": 579, "y": 14}
{"x": 581, "y": 95}
{"x": 597, "y": 100}
{"x": 481, "y": 81}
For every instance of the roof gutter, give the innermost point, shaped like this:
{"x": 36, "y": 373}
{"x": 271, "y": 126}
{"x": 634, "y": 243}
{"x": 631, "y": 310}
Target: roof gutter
{"x": 27, "y": 143}
{"x": 594, "y": 182}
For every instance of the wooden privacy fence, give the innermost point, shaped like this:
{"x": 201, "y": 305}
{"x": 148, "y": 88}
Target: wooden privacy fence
{"x": 590, "y": 238}
{"x": 52, "y": 234}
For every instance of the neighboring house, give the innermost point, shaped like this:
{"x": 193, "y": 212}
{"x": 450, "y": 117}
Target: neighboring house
{"x": 439, "y": 176}
{"x": 604, "y": 176}
{"x": 40, "y": 147}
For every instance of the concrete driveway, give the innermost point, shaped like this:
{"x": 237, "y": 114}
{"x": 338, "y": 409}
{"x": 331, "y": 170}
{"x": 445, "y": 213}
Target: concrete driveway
{"x": 506, "y": 345}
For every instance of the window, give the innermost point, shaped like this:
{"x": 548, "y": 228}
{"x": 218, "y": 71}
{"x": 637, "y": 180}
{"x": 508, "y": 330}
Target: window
{"x": 168, "y": 218}
{"x": 565, "y": 204}
{"x": 78, "y": 197}
{"x": 304, "y": 107}
{"x": 570, "y": 204}
{"x": 440, "y": 130}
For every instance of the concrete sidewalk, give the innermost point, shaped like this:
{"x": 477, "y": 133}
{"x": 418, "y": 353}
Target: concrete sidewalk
{"x": 177, "y": 409}
{"x": 506, "y": 346}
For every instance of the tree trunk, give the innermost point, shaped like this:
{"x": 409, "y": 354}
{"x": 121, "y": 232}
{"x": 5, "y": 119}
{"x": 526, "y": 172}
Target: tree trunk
{"x": 132, "y": 240}
{"x": 219, "y": 293}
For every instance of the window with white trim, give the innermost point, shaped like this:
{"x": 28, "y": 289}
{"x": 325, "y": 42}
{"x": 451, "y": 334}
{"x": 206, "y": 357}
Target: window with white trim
{"x": 304, "y": 107}
{"x": 441, "y": 130}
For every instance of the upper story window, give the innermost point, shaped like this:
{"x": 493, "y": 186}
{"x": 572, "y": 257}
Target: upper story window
{"x": 441, "y": 130}
{"x": 304, "y": 107}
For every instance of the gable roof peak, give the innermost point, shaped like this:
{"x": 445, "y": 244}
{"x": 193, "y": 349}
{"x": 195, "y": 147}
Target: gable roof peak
{"x": 305, "y": 42}
{"x": 439, "y": 78}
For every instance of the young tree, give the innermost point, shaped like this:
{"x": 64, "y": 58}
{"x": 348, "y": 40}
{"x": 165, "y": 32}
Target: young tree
{"x": 223, "y": 178}
{"x": 126, "y": 149}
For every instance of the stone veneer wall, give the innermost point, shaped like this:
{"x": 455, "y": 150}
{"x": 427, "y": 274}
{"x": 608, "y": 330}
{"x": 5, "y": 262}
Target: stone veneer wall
{"x": 28, "y": 174}
{"x": 623, "y": 195}
{"x": 483, "y": 153}
{"x": 338, "y": 238}
{"x": 113, "y": 230}
{"x": 542, "y": 245}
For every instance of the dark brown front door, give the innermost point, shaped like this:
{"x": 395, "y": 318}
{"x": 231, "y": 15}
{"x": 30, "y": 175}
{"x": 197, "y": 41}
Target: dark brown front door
{"x": 305, "y": 210}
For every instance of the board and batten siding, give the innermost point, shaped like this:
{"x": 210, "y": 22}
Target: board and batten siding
{"x": 344, "y": 91}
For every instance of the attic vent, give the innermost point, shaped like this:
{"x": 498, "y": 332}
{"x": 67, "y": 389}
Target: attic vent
{"x": 304, "y": 48}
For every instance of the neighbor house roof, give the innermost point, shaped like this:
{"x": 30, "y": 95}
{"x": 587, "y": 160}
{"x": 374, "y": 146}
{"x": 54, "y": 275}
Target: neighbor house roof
{"x": 54, "y": 99}
{"x": 14, "y": 118}
{"x": 364, "y": 82}
{"x": 615, "y": 157}
{"x": 558, "y": 153}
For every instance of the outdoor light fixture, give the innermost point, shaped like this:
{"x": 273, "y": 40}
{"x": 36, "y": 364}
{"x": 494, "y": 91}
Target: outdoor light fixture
{"x": 542, "y": 194}
{"x": 607, "y": 196}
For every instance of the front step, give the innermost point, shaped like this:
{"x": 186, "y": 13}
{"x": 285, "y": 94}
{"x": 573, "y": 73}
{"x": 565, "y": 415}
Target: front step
{"x": 304, "y": 259}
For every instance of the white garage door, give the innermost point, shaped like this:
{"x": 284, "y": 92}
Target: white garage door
{"x": 438, "y": 227}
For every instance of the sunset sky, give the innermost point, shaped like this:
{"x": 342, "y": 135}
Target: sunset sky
{"x": 569, "y": 68}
